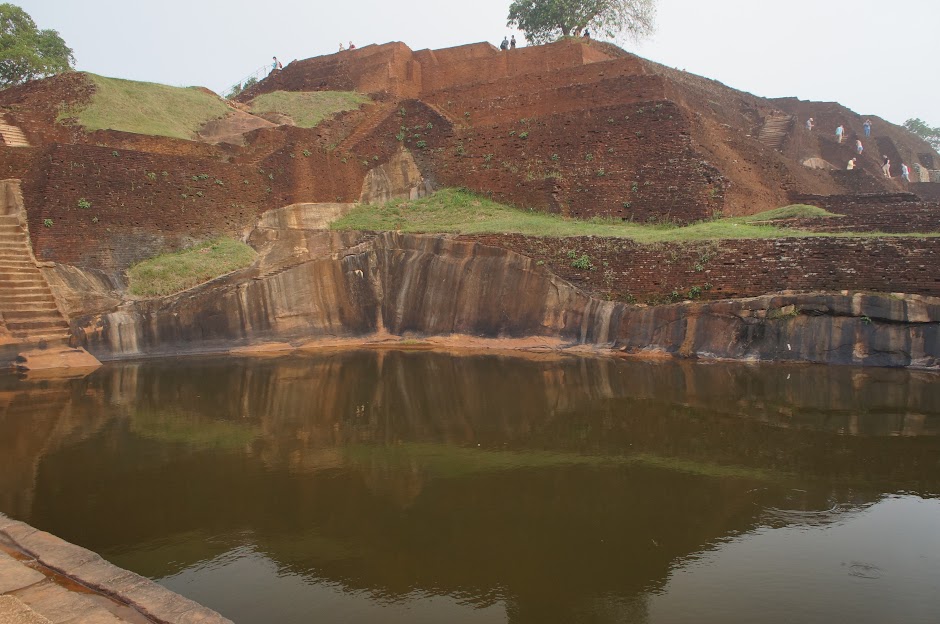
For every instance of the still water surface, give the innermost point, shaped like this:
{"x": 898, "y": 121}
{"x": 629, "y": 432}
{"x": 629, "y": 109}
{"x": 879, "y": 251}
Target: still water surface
{"x": 421, "y": 487}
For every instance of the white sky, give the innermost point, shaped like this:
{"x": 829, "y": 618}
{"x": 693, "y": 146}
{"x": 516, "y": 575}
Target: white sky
{"x": 874, "y": 57}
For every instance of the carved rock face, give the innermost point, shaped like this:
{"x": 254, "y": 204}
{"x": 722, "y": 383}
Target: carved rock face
{"x": 316, "y": 285}
{"x": 399, "y": 178}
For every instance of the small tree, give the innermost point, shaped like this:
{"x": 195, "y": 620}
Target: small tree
{"x": 27, "y": 52}
{"x": 543, "y": 21}
{"x": 920, "y": 128}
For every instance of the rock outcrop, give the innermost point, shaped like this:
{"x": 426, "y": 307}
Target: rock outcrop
{"x": 319, "y": 285}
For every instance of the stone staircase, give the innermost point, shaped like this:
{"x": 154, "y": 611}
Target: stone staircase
{"x": 776, "y": 127}
{"x": 12, "y": 136}
{"x": 27, "y": 305}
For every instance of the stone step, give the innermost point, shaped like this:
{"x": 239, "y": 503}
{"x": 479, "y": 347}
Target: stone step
{"x": 19, "y": 288}
{"x": 41, "y": 305}
{"x": 48, "y": 314}
{"x": 9, "y": 219}
{"x": 29, "y": 269}
{"x": 50, "y": 338}
{"x": 10, "y": 303}
{"x": 47, "y": 325}
{"x": 13, "y": 136}
{"x": 19, "y": 280}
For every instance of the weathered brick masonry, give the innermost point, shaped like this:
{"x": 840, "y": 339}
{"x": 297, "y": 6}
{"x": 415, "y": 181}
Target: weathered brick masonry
{"x": 626, "y": 271}
{"x": 104, "y": 208}
{"x": 881, "y": 212}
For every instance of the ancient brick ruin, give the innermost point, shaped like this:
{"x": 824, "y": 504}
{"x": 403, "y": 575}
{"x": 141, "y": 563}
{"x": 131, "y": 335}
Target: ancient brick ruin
{"x": 578, "y": 129}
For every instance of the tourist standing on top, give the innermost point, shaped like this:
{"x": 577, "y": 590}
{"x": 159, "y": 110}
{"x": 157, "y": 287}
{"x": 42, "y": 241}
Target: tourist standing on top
{"x": 839, "y": 132}
{"x": 867, "y": 126}
{"x": 352, "y": 46}
{"x": 505, "y": 44}
{"x": 859, "y": 147}
{"x": 886, "y": 167}
{"x": 905, "y": 172}
{"x": 512, "y": 43}
{"x": 809, "y": 124}
{"x": 341, "y": 47}
{"x": 276, "y": 65}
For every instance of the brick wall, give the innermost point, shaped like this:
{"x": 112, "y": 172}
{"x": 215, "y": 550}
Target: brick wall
{"x": 929, "y": 191}
{"x": 116, "y": 139}
{"x": 626, "y": 271}
{"x": 141, "y": 204}
{"x": 632, "y": 161}
{"x": 881, "y": 212}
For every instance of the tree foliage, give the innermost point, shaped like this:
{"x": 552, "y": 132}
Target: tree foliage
{"x": 920, "y": 128}
{"x": 543, "y": 21}
{"x": 27, "y": 52}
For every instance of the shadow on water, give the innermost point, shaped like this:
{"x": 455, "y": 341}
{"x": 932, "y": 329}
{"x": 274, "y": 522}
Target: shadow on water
{"x": 549, "y": 489}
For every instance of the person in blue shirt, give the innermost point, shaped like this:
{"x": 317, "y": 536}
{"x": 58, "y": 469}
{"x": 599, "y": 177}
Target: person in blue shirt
{"x": 867, "y": 126}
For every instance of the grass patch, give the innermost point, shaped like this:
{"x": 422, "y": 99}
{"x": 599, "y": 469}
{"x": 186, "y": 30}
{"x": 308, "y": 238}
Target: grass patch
{"x": 197, "y": 432}
{"x": 461, "y": 212}
{"x": 145, "y": 108}
{"x": 793, "y": 211}
{"x": 307, "y": 109}
{"x": 172, "y": 273}
{"x": 449, "y": 462}
{"x": 458, "y": 211}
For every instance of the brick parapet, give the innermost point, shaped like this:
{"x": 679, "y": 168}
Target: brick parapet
{"x": 627, "y": 271}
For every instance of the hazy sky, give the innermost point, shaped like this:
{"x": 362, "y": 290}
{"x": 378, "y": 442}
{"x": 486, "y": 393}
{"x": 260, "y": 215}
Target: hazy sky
{"x": 874, "y": 57}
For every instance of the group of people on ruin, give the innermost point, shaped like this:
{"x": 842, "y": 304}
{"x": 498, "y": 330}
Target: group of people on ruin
{"x": 508, "y": 43}
{"x": 860, "y": 147}
{"x": 277, "y": 66}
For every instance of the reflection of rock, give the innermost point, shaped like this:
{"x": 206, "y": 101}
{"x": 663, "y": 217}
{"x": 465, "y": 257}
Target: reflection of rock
{"x": 37, "y": 419}
{"x": 399, "y": 178}
{"x": 377, "y": 470}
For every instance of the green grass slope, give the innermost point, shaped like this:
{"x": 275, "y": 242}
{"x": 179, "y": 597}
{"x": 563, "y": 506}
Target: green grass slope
{"x": 172, "y": 273}
{"x": 146, "y": 108}
{"x": 307, "y": 109}
{"x": 458, "y": 211}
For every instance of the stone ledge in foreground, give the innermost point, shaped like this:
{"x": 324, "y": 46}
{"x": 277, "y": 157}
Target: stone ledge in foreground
{"x": 91, "y": 570}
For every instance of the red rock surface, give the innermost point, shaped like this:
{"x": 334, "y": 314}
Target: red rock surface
{"x": 573, "y": 128}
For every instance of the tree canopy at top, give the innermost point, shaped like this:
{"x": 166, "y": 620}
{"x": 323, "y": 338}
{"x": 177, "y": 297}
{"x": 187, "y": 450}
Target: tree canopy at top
{"x": 27, "y": 52}
{"x": 543, "y": 21}
{"x": 919, "y": 127}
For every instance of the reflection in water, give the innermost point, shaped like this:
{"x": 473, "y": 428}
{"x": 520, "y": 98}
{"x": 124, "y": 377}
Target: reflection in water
{"x": 391, "y": 486}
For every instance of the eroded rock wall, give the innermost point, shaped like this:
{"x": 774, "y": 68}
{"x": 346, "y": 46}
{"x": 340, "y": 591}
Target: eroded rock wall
{"x": 351, "y": 285}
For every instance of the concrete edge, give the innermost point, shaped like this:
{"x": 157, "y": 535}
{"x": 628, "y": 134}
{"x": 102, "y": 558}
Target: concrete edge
{"x": 91, "y": 570}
